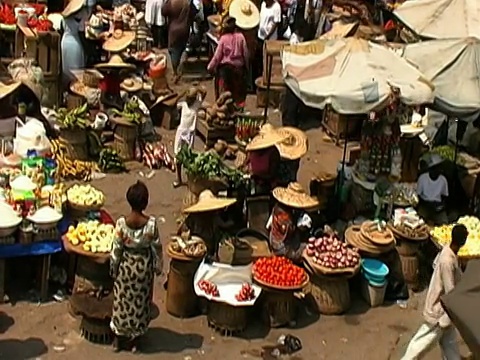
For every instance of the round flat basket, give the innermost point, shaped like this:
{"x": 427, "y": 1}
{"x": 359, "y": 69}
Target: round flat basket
{"x": 402, "y": 235}
{"x": 370, "y": 231}
{"x": 181, "y": 256}
{"x": 84, "y": 208}
{"x": 98, "y": 257}
{"x": 283, "y": 288}
{"x": 354, "y": 237}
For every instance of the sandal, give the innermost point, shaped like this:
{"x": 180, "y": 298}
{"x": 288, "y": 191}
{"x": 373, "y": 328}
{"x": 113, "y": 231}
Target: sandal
{"x": 177, "y": 184}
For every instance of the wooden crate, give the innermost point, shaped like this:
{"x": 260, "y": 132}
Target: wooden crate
{"x": 43, "y": 47}
{"x": 273, "y": 48}
{"x": 336, "y": 125}
{"x": 210, "y": 135}
{"x": 7, "y": 40}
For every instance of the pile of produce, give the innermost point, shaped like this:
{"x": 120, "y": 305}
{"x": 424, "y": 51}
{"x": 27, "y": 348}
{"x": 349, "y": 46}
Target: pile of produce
{"x": 110, "y": 161}
{"x": 93, "y": 236}
{"x": 419, "y": 232}
{"x": 193, "y": 247}
{"x": 76, "y": 118}
{"x": 131, "y": 112}
{"x": 443, "y": 235}
{"x": 208, "y": 288}
{"x": 278, "y": 271}
{"x": 207, "y": 165}
{"x": 42, "y": 24}
{"x": 445, "y": 151}
{"x": 246, "y": 293}
{"x": 328, "y": 251}
{"x": 221, "y": 114}
{"x": 247, "y": 128}
{"x": 68, "y": 168}
{"x": 85, "y": 195}
{"x": 155, "y": 155}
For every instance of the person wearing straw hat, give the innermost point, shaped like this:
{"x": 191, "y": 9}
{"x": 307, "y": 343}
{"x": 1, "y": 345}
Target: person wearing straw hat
{"x": 289, "y": 223}
{"x": 230, "y": 62}
{"x": 110, "y": 85}
{"x": 432, "y": 191}
{"x": 204, "y": 219}
{"x": 73, "y": 56}
{"x": 292, "y": 149}
{"x": 263, "y": 159}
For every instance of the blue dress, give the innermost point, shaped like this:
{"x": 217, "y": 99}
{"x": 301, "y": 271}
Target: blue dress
{"x": 73, "y": 57}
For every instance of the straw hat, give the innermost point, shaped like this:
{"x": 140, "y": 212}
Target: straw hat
{"x": 119, "y": 41}
{"x": 245, "y": 13}
{"x": 72, "y": 7}
{"x": 295, "y": 196}
{"x": 6, "y": 90}
{"x": 295, "y": 145}
{"x": 115, "y": 62}
{"x": 267, "y": 136}
{"x": 132, "y": 84}
{"x": 209, "y": 202}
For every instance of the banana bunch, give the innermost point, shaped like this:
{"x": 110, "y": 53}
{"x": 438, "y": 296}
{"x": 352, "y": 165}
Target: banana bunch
{"x": 131, "y": 112}
{"x": 68, "y": 168}
{"x": 75, "y": 118}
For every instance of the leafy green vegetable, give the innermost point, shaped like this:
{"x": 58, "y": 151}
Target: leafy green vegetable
{"x": 131, "y": 112}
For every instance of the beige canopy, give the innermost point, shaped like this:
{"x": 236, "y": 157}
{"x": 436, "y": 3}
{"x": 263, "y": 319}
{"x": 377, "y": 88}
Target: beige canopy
{"x": 441, "y": 19}
{"x": 354, "y": 75}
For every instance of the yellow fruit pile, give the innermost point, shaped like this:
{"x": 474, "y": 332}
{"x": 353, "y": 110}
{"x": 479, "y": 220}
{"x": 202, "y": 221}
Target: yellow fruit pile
{"x": 442, "y": 234}
{"x": 85, "y": 195}
{"x": 92, "y": 235}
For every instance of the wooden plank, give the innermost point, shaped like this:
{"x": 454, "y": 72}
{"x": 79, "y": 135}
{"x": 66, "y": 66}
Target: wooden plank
{"x": 210, "y": 135}
{"x": 43, "y": 54}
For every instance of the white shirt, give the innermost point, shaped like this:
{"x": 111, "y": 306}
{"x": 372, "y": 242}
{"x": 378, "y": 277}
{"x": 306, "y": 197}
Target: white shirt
{"x": 432, "y": 190}
{"x": 268, "y": 18}
{"x": 188, "y": 121}
{"x": 153, "y": 12}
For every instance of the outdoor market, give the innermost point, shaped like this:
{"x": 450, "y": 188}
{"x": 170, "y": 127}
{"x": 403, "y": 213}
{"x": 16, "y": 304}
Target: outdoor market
{"x": 287, "y": 179}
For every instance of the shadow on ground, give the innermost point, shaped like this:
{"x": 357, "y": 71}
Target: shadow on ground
{"x": 165, "y": 340}
{"x": 5, "y": 322}
{"x": 30, "y": 348}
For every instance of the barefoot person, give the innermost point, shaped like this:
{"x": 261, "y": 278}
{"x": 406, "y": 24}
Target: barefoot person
{"x": 136, "y": 257}
{"x": 438, "y": 326}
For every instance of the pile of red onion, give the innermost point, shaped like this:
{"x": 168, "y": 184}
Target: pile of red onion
{"x": 208, "y": 288}
{"x": 246, "y": 293}
{"x": 328, "y": 251}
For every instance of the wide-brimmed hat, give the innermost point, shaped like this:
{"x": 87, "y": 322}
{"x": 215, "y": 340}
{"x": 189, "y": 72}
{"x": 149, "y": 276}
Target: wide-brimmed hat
{"x": 209, "y": 202}
{"x": 267, "y": 136}
{"x": 72, "y": 7}
{"x": 245, "y": 13}
{"x": 132, "y": 84}
{"x": 119, "y": 41}
{"x": 115, "y": 62}
{"x": 434, "y": 160}
{"x": 7, "y": 89}
{"x": 295, "y": 196}
{"x": 295, "y": 145}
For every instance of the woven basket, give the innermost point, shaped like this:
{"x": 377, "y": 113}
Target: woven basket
{"x": 278, "y": 308}
{"x": 77, "y": 139}
{"x": 224, "y": 317}
{"x": 331, "y": 294}
{"x": 369, "y": 230}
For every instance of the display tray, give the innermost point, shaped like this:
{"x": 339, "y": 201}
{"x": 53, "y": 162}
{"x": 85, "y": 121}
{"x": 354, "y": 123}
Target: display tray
{"x": 180, "y": 256}
{"x": 78, "y": 250}
{"x": 282, "y": 288}
{"x": 406, "y": 237}
{"x": 322, "y": 270}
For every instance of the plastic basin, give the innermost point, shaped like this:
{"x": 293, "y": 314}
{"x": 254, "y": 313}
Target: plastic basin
{"x": 374, "y": 270}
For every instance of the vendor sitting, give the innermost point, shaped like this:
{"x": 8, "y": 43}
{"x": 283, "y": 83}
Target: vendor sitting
{"x": 263, "y": 159}
{"x": 289, "y": 224}
{"x": 204, "y": 219}
{"x": 292, "y": 149}
{"x": 432, "y": 190}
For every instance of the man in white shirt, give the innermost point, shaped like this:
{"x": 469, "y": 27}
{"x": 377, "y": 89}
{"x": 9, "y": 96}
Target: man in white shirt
{"x": 157, "y": 23}
{"x": 270, "y": 19}
{"x": 432, "y": 190}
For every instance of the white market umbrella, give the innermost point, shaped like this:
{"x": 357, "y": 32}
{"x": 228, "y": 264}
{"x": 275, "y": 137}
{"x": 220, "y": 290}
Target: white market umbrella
{"x": 355, "y": 76}
{"x": 453, "y": 67}
{"x": 441, "y": 19}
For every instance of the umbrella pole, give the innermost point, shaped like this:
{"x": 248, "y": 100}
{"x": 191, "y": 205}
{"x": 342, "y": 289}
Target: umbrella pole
{"x": 341, "y": 183}
{"x": 269, "y": 82}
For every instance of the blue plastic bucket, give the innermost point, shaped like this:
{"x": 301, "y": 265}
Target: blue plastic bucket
{"x": 375, "y": 271}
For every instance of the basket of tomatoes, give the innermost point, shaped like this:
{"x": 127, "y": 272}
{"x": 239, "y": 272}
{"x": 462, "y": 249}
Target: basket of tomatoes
{"x": 278, "y": 272}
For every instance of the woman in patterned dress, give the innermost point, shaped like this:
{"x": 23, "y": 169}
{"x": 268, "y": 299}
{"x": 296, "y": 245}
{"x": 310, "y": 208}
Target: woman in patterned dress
{"x": 134, "y": 262}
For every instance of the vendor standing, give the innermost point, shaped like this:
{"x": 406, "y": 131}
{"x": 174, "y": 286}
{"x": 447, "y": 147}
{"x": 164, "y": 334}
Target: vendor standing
{"x": 204, "y": 219}
{"x": 289, "y": 223}
{"x": 263, "y": 159}
{"x": 432, "y": 190}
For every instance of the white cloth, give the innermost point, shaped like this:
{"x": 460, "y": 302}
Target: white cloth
{"x": 432, "y": 190}
{"x": 427, "y": 336}
{"x": 153, "y": 12}
{"x": 188, "y": 121}
{"x": 269, "y": 16}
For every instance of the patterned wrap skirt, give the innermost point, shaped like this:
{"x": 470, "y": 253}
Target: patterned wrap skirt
{"x": 132, "y": 292}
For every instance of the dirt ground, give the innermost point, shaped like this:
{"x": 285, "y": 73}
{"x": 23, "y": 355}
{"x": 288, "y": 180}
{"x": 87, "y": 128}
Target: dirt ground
{"x": 33, "y": 331}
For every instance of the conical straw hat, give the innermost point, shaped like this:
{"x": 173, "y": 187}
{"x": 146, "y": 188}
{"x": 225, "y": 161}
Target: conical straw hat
{"x": 295, "y": 145}
{"x": 246, "y": 14}
{"x": 209, "y": 202}
{"x": 295, "y": 196}
{"x": 267, "y": 136}
{"x": 6, "y": 90}
{"x": 115, "y": 62}
{"x": 119, "y": 41}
